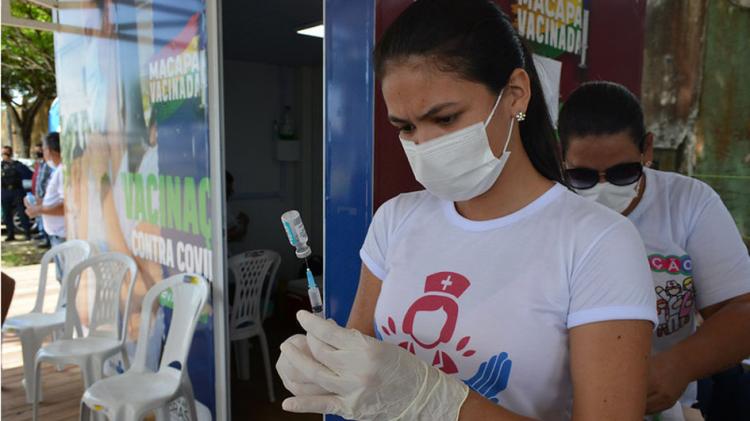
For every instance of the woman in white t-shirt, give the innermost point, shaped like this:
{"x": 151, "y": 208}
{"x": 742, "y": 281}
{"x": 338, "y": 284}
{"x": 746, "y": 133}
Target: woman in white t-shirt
{"x": 497, "y": 293}
{"x": 696, "y": 255}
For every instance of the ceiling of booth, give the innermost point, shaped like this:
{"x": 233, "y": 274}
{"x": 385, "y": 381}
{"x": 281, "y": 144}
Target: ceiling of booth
{"x": 265, "y": 31}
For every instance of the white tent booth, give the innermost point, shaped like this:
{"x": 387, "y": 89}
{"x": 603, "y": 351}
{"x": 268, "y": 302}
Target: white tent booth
{"x": 160, "y": 101}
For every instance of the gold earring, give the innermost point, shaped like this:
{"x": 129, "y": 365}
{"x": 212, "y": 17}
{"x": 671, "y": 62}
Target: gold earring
{"x": 520, "y": 116}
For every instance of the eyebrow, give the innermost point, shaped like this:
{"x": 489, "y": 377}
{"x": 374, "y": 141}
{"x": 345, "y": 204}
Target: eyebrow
{"x": 431, "y": 112}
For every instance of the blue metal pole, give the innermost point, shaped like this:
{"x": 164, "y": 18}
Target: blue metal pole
{"x": 349, "y": 104}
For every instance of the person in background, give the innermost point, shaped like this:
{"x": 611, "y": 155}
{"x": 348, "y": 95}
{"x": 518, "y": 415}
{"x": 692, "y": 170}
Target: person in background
{"x": 42, "y": 172}
{"x": 6, "y": 293}
{"x": 38, "y": 155}
{"x": 13, "y": 174}
{"x": 237, "y": 222}
{"x": 52, "y": 205}
{"x": 698, "y": 261}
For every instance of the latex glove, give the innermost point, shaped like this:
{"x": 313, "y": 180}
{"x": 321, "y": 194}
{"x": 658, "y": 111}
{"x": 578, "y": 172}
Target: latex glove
{"x": 667, "y": 382}
{"x": 294, "y": 380}
{"x": 369, "y": 379}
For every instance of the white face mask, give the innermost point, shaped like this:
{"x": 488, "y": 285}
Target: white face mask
{"x": 617, "y": 198}
{"x": 459, "y": 165}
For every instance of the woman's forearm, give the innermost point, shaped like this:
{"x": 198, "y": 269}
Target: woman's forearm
{"x": 477, "y": 408}
{"x": 719, "y": 343}
{"x": 363, "y": 310}
{"x": 56, "y": 209}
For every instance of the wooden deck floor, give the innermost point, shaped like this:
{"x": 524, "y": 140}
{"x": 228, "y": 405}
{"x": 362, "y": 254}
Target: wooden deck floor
{"x": 62, "y": 390}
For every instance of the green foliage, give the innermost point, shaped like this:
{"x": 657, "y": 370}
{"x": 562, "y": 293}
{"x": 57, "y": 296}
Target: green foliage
{"x": 28, "y": 67}
{"x": 28, "y": 64}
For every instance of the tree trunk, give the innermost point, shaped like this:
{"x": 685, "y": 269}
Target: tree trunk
{"x": 25, "y": 122}
{"x": 28, "y": 124}
{"x": 672, "y": 78}
{"x": 14, "y": 117}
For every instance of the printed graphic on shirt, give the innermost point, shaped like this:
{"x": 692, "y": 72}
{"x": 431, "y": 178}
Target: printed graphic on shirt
{"x": 429, "y": 325}
{"x": 491, "y": 377}
{"x": 675, "y": 298}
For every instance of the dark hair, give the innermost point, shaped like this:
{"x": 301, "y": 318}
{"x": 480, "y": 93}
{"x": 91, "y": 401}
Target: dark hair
{"x": 9, "y": 148}
{"x": 475, "y": 40}
{"x": 601, "y": 108}
{"x": 52, "y": 140}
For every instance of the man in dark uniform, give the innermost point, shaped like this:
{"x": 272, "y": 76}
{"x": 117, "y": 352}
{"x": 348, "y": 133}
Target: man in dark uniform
{"x": 13, "y": 175}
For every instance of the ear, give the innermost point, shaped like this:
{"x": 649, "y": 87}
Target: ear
{"x": 648, "y": 148}
{"x": 518, "y": 91}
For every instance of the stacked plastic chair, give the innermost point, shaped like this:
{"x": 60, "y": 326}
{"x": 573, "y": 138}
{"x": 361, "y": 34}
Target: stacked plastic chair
{"x": 109, "y": 274}
{"x": 139, "y": 390}
{"x": 34, "y": 327}
{"x": 251, "y": 270}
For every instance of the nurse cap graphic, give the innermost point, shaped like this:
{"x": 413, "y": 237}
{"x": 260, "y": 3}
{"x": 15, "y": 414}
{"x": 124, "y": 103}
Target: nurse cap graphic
{"x": 431, "y": 320}
{"x": 442, "y": 289}
{"x": 430, "y": 323}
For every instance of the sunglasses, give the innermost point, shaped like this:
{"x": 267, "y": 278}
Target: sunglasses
{"x": 619, "y": 175}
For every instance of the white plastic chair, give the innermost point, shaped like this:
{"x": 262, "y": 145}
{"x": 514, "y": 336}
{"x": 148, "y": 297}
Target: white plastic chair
{"x": 251, "y": 269}
{"x": 32, "y": 328}
{"x": 108, "y": 322}
{"x": 132, "y": 395}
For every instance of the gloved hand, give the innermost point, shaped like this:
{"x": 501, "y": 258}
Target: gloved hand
{"x": 367, "y": 379}
{"x": 294, "y": 380}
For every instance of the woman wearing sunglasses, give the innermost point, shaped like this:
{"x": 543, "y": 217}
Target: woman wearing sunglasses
{"x": 698, "y": 261}
{"x": 496, "y": 293}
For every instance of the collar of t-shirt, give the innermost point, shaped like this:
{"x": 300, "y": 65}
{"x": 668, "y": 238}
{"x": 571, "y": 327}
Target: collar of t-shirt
{"x": 450, "y": 212}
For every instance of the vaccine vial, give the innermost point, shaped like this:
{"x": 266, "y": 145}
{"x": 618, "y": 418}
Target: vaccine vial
{"x": 295, "y": 232}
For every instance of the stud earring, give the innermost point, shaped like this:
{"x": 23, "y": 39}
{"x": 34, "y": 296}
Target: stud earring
{"x": 520, "y": 116}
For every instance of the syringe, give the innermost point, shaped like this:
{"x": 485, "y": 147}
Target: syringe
{"x": 297, "y": 235}
{"x": 314, "y": 293}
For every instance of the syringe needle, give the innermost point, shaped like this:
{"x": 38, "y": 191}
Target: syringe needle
{"x": 295, "y": 231}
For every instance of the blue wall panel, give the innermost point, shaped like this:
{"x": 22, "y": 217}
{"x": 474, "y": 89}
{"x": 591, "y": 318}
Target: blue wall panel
{"x": 349, "y": 103}
{"x": 349, "y": 38}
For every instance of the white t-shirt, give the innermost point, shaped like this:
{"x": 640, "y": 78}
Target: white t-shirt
{"x": 491, "y": 302}
{"x": 696, "y": 254}
{"x": 55, "y": 194}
